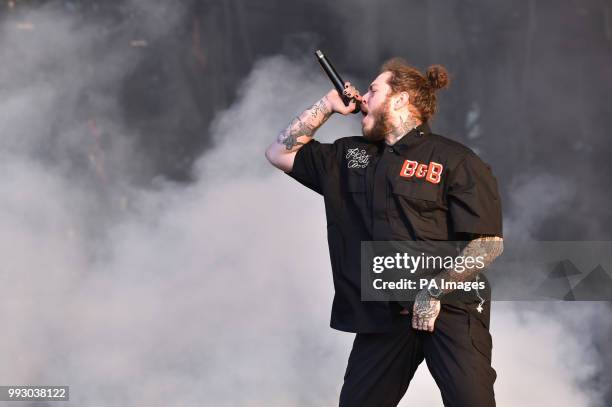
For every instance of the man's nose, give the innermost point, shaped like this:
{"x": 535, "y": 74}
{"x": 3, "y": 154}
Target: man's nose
{"x": 364, "y": 102}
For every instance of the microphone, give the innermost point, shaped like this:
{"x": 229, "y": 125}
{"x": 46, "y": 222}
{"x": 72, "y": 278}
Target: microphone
{"x": 335, "y": 78}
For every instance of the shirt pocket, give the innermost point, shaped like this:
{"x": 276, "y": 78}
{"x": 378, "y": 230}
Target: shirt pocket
{"x": 414, "y": 206}
{"x": 356, "y": 197}
{"x": 418, "y": 194}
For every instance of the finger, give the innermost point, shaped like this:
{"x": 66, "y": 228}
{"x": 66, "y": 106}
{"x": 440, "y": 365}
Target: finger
{"x": 347, "y": 84}
{"x": 430, "y": 325}
{"x": 418, "y": 324}
{"x": 423, "y": 324}
{"x": 414, "y": 321}
{"x": 354, "y": 95}
{"x": 426, "y": 325}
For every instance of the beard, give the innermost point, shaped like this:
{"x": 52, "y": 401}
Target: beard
{"x": 382, "y": 123}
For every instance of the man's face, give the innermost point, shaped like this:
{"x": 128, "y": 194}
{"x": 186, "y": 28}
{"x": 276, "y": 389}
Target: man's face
{"x": 375, "y": 106}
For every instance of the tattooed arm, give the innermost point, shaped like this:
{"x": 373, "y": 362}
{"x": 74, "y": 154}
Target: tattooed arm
{"x": 426, "y": 307}
{"x": 300, "y": 131}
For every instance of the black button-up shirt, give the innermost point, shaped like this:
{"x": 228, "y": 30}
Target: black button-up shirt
{"x": 423, "y": 188}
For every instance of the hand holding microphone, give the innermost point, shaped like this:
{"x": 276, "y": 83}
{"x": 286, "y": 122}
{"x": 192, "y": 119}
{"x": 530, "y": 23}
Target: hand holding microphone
{"x": 337, "y": 102}
{"x": 344, "y": 98}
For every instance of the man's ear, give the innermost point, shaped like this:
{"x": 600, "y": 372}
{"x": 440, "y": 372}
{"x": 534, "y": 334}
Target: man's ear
{"x": 401, "y": 100}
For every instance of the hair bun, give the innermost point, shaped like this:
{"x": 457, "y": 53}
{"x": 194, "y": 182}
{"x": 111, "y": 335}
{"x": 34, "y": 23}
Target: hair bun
{"x": 437, "y": 76}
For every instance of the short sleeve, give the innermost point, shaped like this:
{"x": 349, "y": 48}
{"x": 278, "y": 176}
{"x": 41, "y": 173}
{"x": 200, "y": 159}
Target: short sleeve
{"x": 473, "y": 199}
{"x": 313, "y": 164}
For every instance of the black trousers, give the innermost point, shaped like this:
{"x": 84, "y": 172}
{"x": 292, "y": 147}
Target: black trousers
{"x": 457, "y": 353}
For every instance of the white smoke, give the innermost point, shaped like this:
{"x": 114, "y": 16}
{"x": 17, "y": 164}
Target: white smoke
{"x": 215, "y": 293}
{"x": 553, "y": 195}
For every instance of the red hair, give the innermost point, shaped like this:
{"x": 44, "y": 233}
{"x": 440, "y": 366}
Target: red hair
{"x": 421, "y": 88}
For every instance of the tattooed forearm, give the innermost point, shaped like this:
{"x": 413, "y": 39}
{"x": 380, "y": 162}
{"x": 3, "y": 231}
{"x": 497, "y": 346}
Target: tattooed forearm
{"x": 305, "y": 125}
{"x": 297, "y": 128}
{"x": 427, "y": 307}
{"x": 487, "y": 247}
{"x": 320, "y": 109}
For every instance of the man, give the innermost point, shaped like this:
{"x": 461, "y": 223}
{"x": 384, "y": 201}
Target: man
{"x": 401, "y": 182}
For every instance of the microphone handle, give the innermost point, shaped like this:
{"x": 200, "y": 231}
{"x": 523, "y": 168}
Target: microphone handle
{"x": 335, "y": 78}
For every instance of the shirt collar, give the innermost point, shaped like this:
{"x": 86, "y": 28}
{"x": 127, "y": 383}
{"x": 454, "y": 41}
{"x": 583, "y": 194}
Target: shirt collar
{"x": 413, "y": 137}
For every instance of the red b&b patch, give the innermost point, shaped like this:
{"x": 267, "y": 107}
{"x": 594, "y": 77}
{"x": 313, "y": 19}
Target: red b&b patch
{"x": 432, "y": 172}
